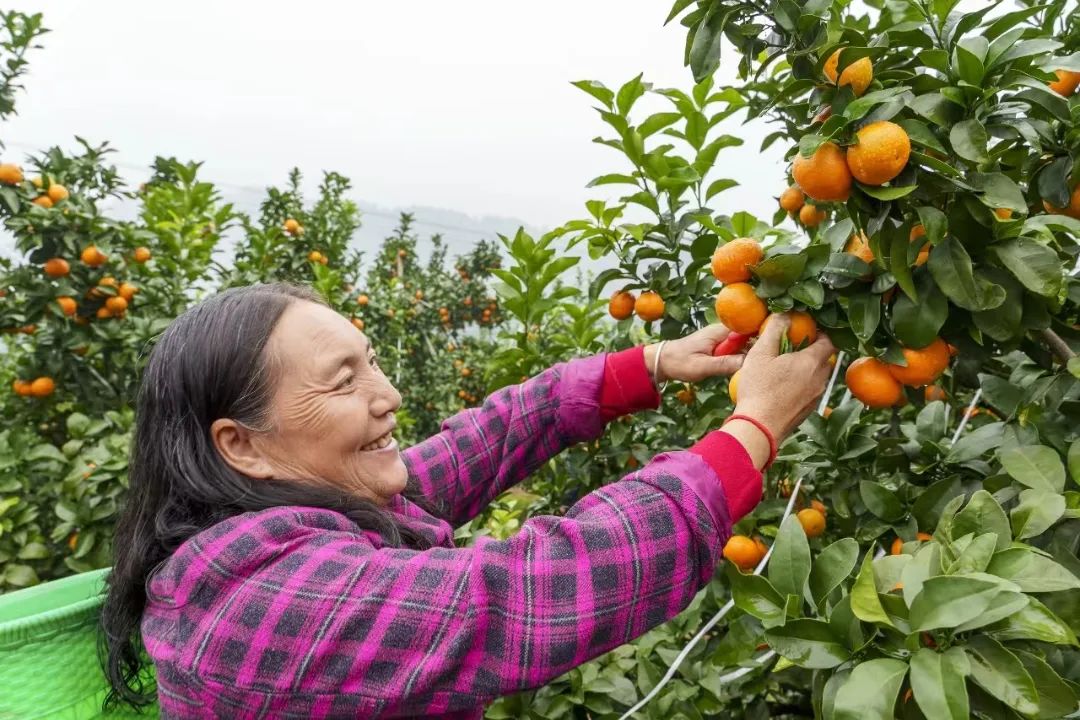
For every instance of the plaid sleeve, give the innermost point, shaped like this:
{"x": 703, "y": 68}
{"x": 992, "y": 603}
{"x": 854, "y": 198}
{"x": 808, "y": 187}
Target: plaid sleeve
{"x": 324, "y": 621}
{"x": 482, "y": 451}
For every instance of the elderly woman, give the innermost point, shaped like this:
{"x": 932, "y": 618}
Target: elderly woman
{"x": 281, "y": 556}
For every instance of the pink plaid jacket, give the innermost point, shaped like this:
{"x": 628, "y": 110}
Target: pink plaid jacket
{"x": 296, "y": 612}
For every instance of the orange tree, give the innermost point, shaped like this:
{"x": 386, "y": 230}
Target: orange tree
{"x": 942, "y": 147}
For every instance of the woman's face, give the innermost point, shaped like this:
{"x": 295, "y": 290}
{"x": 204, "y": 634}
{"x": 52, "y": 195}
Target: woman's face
{"x": 333, "y": 409}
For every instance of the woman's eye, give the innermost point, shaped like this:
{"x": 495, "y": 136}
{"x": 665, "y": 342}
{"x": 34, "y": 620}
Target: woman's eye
{"x": 374, "y": 362}
{"x": 346, "y": 382}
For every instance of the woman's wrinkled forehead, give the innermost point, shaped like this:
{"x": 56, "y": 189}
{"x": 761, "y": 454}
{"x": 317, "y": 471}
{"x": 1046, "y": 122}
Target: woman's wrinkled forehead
{"x": 314, "y": 338}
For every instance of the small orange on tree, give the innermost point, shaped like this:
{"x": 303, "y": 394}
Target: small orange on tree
{"x": 811, "y": 215}
{"x": 740, "y": 309}
{"x": 92, "y": 256}
{"x": 732, "y": 261}
{"x": 292, "y": 226}
{"x": 43, "y": 201}
{"x": 621, "y": 305}
{"x": 1066, "y": 83}
{"x": 824, "y": 175}
{"x": 733, "y": 386}
{"x": 924, "y": 365}
{"x": 67, "y": 305}
{"x": 57, "y": 267}
{"x": 858, "y": 74}
{"x": 812, "y": 521}
{"x": 792, "y": 199}
{"x": 803, "y": 328}
{"x": 881, "y": 153}
{"x": 10, "y": 174}
{"x": 649, "y": 306}
{"x": 42, "y": 387}
{"x": 142, "y": 254}
{"x": 870, "y": 381}
{"x": 58, "y": 193}
{"x": 742, "y": 552}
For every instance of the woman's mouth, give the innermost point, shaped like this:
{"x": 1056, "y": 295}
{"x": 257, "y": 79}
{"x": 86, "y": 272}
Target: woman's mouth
{"x": 380, "y": 443}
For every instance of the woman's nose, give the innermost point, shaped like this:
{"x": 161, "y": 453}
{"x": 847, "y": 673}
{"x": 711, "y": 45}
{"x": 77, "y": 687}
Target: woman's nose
{"x": 387, "y": 399}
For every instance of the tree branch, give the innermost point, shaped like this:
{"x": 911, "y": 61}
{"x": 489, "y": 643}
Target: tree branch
{"x": 1057, "y": 345}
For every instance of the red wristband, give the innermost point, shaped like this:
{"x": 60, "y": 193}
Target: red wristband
{"x": 764, "y": 431}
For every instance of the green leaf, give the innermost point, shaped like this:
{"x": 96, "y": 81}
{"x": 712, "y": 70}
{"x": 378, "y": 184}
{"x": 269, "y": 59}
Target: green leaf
{"x": 718, "y": 186}
{"x": 951, "y": 267}
{"x": 628, "y": 94}
{"x": 886, "y": 194}
{"x": 1033, "y": 264}
{"x": 975, "y": 444}
{"x": 938, "y": 683}
{"x": 779, "y": 272}
{"x": 1074, "y": 461}
{"x": 808, "y": 292}
{"x": 1006, "y": 604}
{"x": 865, "y": 603}
{"x": 789, "y": 565}
{"x": 1037, "y": 512}
{"x": 920, "y": 134}
{"x": 597, "y": 89}
{"x": 976, "y": 556}
{"x": 969, "y": 139}
{"x": 983, "y": 514}
{"x": 880, "y": 501}
{"x": 832, "y": 567}
{"x": 999, "y": 191}
{"x": 1056, "y": 697}
{"x": 756, "y": 596}
{"x": 613, "y": 179}
{"x": 870, "y": 691}
{"x": 857, "y": 108}
{"x": 807, "y": 643}
{"x": 864, "y": 314}
{"x": 1031, "y": 570}
{"x": 45, "y": 451}
{"x": 657, "y": 122}
{"x": 950, "y": 600}
{"x": 925, "y": 563}
{"x": 936, "y": 108}
{"x": 916, "y": 324}
{"x": 77, "y": 424}
{"x": 1035, "y": 466}
{"x": 1001, "y": 674}
{"x": 20, "y": 575}
{"x": 1034, "y": 622}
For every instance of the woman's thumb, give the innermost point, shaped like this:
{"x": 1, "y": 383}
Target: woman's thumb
{"x": 768, "y": 344}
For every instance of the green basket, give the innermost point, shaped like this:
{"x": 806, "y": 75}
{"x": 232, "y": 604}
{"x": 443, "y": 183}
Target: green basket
{"x": 49, "y": 666}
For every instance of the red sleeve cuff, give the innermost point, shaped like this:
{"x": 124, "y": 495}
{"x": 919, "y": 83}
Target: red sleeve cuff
{"x": 627, "y": 386}
{"x": 732, "y": 464}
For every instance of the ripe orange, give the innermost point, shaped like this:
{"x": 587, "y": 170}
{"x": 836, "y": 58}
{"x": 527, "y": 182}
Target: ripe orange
{"x": 859, "y": 246}
{"x": 142, "y": 254}
{"x": 10, "y": 174}
{"x": 314, "y": 256}
{"x": 58, "y": 193}
{"x": 621, "y": 305}
{"x": 882, "y": 151}
{"x": 870, "y": 382}
{"x": 742, "y": 552}
{"x": 732, "y": 261}
{"x": 897, "y": 547}
{"x": 827, "y": 412}
{"x": 762, "y": 548}
{"x": 127, "y": 291}
{"x": 649, "y": 306}
{"x": 92, "y": 256}
{"x": 57, "y": 267}
{"x": 362, "y": 300}
{"x": 116, "y": 304}
{"x": 858, "y": 74}
{"x": 1003, "y": 213}
{"x": 103, "y": 313}
{"x": 21, "y": 388}
{"x": 733, "y": 387}
{"x": 358, "y": 323}
{"x": 740, "y": 309}
{"x": 933, "y": 393}
{"x": 819, "y": 506}
{"x": 685, "y": 396}
{"x": 43, "y": 201}
{"x": 1073, "y": 210}
{"x": 803, "y": 328}
{"x": 67, "y": 305}
{"x": 402, "y": 252}
{"x": 824, "y": 175}
{"x": 812, "y": 521}
{"x": 811, "y": 215}
{"x": 42, "y": 387}
{"x": 924, "y": 365}
{"x": 792, "y": 199}
{"x": 107, "y": 281}
{"x": 1066, "y": 83}
{"x": 37, "y": 182}
{"x": 419, "y": 294}
{"x": 292, "y": 226}
{"x": 923, "y": 537}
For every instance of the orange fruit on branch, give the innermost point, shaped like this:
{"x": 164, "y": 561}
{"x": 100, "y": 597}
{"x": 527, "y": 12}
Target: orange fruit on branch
{"x": 792, "y": 199}
{"x": 1066, "y": 83}
{"x": 649, "y": 306}
{"x": 732, "y": 261}
{"x": 57, "y": 267}
{"x": 21, "y": 388}
{"x": 621, "y": 305}
{"x": 92, "y": 256}
{"x": 819, "y": 506}
{"x": 43, "y": 201}
{"x": 740, "y": 309}
{"x": 127, "y": 291}
{"x": 733, "y": 387}
{"x": 58, "y": 193}
{"x": 10, "y": 174}
{"x": 685, "y": 396}
{"x": 882, "y": 151}
{"x": 1003, "y": 213}
{"x": 116, "y": 304}
{"x": 858, "y": 74}
{"x": 859, "y": 246}
{"x": 742, "y": 552}
{"x": 811, "y": 216}
{"x": 67, "y": 305}
{"x": 825, "y": 175}
{"x": 924, "y": 253}
{"x": 142, "y": 254}
{"x": 924, "y": 365}
{"x": 870, "y": 381}
{"x": 803, "y": 328}
{"x": 812, "y": 521}
{"x": 42, "y": 387}
{"x": 292, "y": 226}
{"x": 1073, "y": 209}
{"x": 103, "y": 313}
{"x": 358, "y": 323}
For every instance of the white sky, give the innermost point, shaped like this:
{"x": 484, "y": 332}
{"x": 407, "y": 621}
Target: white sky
{"x": 461, "y": 105}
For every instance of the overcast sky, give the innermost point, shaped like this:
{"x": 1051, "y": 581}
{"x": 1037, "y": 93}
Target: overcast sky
{"x": 465, "y": 106}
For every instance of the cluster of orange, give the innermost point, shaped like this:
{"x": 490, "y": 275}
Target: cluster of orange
{"x": 40, "y": 388}
{"x": 879, "y": 384}
{"x": 11, "y": 174}
{"x": 649, "y": 305}
{"x": 1066, "y": 85}
{"x": 745, "y": 552}
{"x": 117, "y": 299}
{"x": 293, "y": 227}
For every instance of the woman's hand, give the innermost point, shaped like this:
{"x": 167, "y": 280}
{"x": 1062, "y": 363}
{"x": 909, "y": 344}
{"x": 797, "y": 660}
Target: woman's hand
{"x": 690, "y": 359}
{"x": 777, "y": 390}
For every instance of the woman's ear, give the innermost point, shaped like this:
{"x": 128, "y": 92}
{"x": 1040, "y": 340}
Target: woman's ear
{"x": 236, "y": 445}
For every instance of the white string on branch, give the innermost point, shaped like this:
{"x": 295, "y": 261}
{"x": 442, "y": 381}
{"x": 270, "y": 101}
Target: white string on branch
{"x": 832, "y": 381}
{"x": 967, "y": 415}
